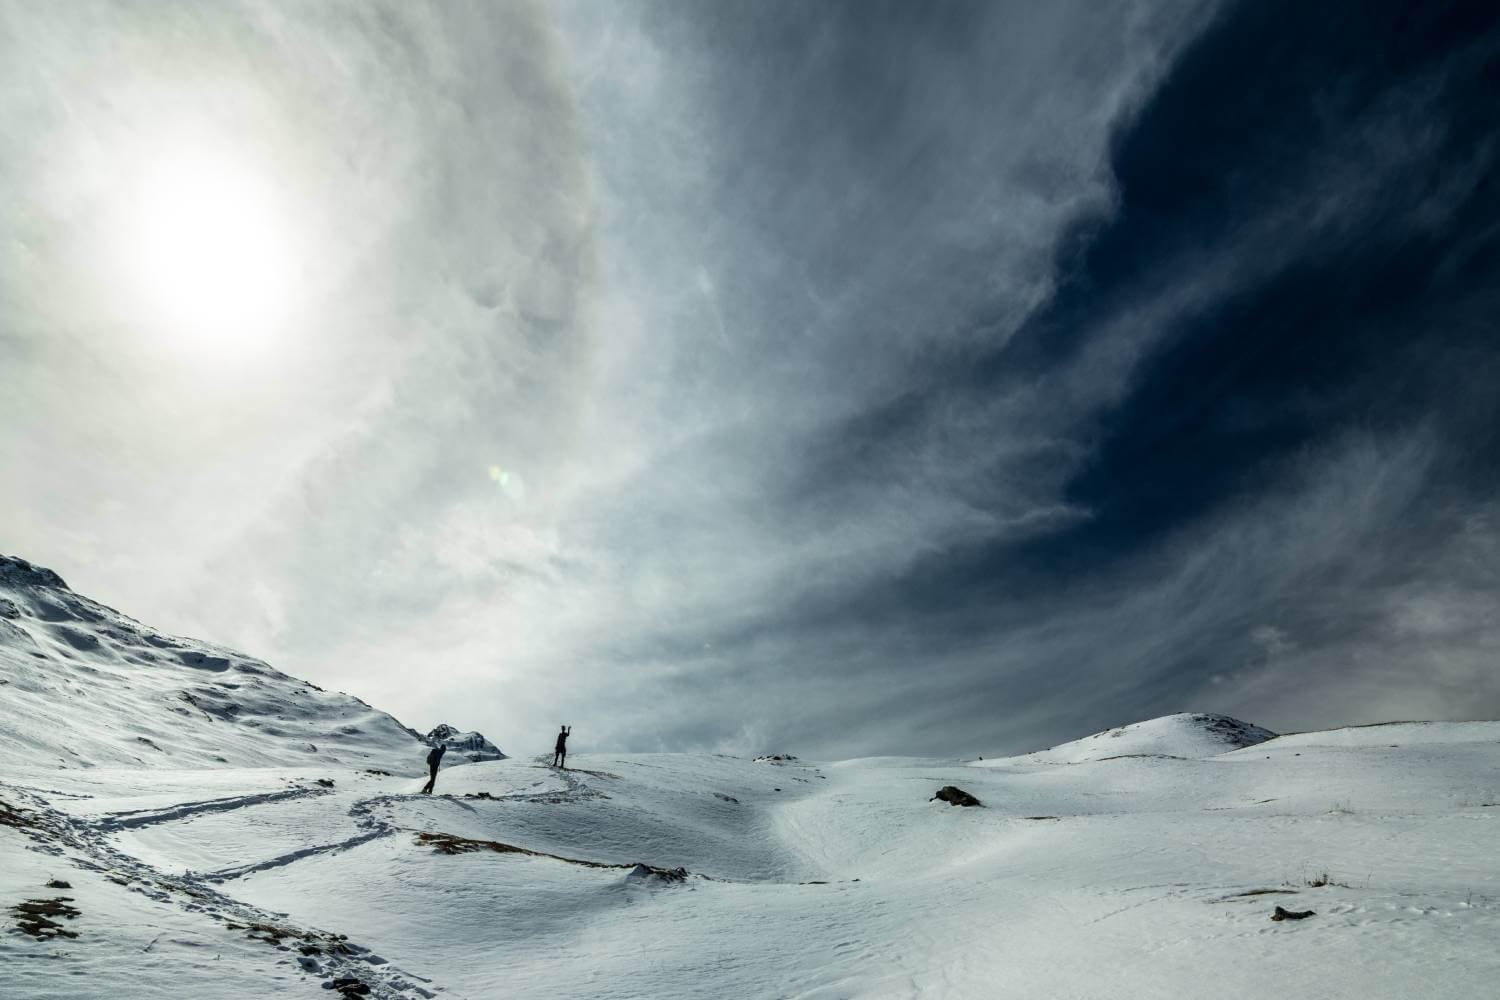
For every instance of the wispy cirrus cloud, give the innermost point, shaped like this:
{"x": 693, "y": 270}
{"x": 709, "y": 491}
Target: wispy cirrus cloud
{"x": 866, "y": 378}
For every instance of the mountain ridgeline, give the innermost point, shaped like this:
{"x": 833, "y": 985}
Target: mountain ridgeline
{"x": 86, "y": 686}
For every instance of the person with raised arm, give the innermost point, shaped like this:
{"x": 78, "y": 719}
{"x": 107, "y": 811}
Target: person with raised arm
{"x": 560, "y": 752}
{"x": 434, "y": 758}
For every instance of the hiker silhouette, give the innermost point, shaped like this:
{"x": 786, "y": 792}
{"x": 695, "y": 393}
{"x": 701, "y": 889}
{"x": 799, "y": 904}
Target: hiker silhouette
{"x": 560, "y": 752}
{"x": 434, "y": 758}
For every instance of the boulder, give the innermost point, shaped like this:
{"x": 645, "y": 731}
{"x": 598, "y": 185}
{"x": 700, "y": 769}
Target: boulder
{"x": 953, "y": 795}
{"x": 644, "y": 871}
{"x": 1282, "y": 914}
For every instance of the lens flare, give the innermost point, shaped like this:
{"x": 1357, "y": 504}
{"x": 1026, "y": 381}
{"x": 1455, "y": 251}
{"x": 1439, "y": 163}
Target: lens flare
{"x": 509, "y": 481}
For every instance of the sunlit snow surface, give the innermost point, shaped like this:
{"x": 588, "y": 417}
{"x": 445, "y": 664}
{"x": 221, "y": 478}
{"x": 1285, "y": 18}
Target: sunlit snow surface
{"x": 1142, "y": 862}
{"x": 847, "y": 881}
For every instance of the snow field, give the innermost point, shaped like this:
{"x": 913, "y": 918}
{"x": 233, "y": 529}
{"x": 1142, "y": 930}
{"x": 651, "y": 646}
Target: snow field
{"x": 226, "y": 835}
{"x": 128, "y": 945}
{"x": 1134, "y": 888}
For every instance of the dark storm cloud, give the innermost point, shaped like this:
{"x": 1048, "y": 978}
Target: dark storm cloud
{"x": 1351, "y": 155}
{"x": 1251, "y": 420}
{"x": 1357, "y": 153}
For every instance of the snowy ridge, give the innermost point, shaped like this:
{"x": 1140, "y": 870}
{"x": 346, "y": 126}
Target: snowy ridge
{"x": 87, "y": 686}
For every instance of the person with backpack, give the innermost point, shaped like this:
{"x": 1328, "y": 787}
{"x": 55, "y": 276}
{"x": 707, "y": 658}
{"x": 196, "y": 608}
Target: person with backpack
{"x": 560, "y": 751}
{"x": 434, "y": 758}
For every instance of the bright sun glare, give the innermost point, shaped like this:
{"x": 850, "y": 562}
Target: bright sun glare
{"x": 211, "y": 255}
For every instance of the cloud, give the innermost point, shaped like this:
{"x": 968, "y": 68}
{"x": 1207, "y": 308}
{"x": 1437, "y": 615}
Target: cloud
{"x": 440, "y": 330}
{"x": 840, "y": 378}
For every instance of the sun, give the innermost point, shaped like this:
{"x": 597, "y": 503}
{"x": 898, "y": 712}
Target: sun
{"x": 212, "y": 258}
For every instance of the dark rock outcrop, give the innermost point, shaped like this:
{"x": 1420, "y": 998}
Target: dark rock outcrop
{"x": 1282, "y": 914}
{"x": 643, "y": 871}
{"x": 18, "y": 572}
{"x": 472, "y": 745}
{"x": 953, "y": 795}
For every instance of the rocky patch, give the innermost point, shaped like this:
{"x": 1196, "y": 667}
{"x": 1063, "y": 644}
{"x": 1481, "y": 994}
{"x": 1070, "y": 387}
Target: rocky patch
{"x": 13, "y": 817}
{"x": 672, "y": 875}
{"x": 446, "y": 843}
{"x": 1282, "y": 914}
{"x": 953, "y": 795}
{"x": 34, "y": 917}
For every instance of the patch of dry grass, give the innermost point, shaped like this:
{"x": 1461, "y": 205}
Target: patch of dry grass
{"x": 34, "y": 917}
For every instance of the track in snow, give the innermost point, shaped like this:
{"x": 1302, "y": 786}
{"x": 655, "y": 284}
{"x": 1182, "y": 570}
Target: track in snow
{"x": 148, "y": 817}
{"x": 86, "y": 843}
{"x": 363, "y": 811}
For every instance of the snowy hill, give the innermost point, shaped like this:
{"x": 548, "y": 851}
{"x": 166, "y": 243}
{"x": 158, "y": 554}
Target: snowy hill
{"x": 471, "y": 745}
{"x": 85, "y": 686}
{"x": 662, "y": 875}
{"x": 1187, "y": 735}
{"x": 217, "y": 829}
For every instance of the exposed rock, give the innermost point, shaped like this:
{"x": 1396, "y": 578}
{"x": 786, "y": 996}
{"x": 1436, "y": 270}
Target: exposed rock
{"x": 954, "y": 795}
{"x": 447, "y": 843}
{"x": 1282, "y": 914}
{"x": 642, "y": 871}
{"x": 14, "y": 570}
{"x": 34, "y": 917}
{"x": 472, "y": 745}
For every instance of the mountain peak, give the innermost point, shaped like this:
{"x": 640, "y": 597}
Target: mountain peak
{"x": 19, "y": 573}
{"x": 471, "y": 744}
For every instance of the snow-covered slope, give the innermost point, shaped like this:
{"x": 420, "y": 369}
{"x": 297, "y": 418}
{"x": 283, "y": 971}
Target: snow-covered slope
{"x": 1187, "y": 735}
{"x": 1141, "y": 876}
{"x": 218, "y": 829}
{"x": 85, "y": 686}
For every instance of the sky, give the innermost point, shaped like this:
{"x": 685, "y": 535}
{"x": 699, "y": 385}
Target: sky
{"x": 840, "y": 379}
